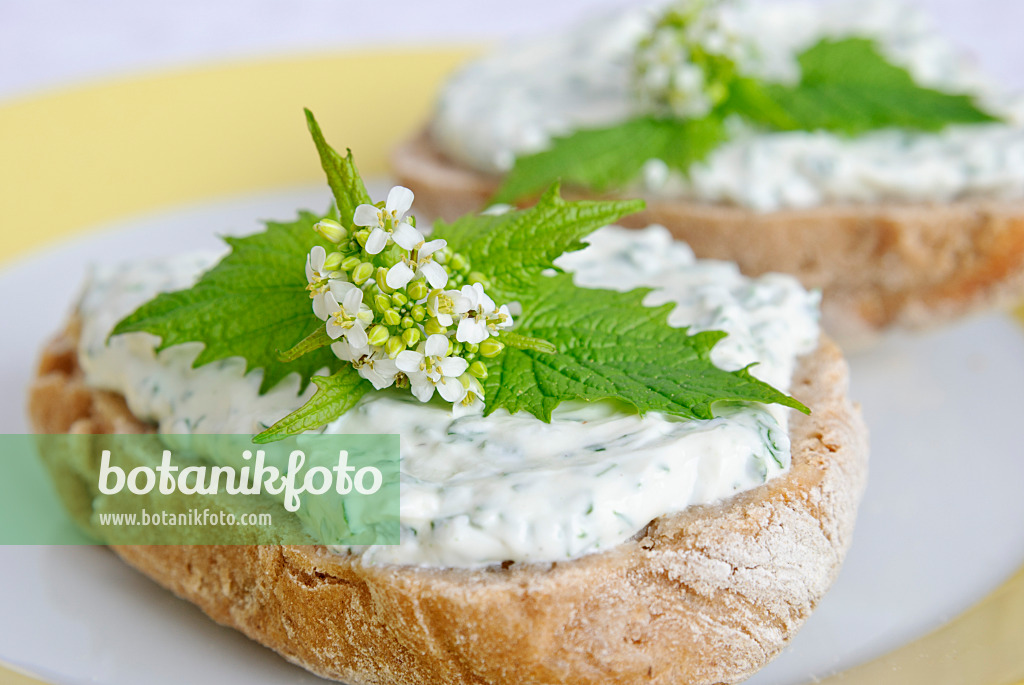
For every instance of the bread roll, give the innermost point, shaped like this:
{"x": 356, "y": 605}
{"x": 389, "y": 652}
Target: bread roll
{"x": 878, "y": 266}
{"x": 706, "y": 595}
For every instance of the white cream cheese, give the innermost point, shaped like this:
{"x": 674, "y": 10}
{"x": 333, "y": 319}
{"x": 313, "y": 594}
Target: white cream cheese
{"x": 516, "y": 100}
{"x": 484, "y": 490}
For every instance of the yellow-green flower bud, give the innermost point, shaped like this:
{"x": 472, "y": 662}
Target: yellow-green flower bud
{"x": 418, "y": 290}
{"x": 399, "y": 299}
{"x": 432, "y": 327}
{"x": 382, "y": 302}
{"x": 419, "y": 312}
{"x": 333, "y": 261}
{"x": 330, "y": 230}
{"x": 478, "y": 369}
{"x": 457, "y": 262}
{"x": 411, "y": 336}
{"x": 378, "y": 335}
{"x": 362, "y": 273}
{"x": 350, "y": 263}
{"x": 392, "y": 317}
{"x": 394, "y": 346}
{"x": 407, "y": 322}
{"x": 472, "y": 348}
{"x": 477, "y": 277}
{"x": 491, "y": 348}
{"x": 361, "y": 237}
{"x": 381, "y": 276}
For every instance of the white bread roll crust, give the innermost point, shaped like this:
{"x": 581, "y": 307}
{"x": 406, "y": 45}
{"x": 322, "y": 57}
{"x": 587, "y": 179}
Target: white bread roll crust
{"x": 879, "y": 266}
{"x": 706, "y": 595}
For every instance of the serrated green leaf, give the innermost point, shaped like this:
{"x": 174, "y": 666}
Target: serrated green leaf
{"x": 848, "y": 86}
{"x": 253, "y": 304}
{"x": 514, "y": 248}
{"x": 612, "y": 157}
{"x": 612, "y": 347}
{"x": 335, "y": 395}
{"x": 343, "y": 178}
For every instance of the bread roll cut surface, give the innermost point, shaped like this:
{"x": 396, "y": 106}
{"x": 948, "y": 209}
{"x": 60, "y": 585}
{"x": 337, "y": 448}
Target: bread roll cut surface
{"x": 706, "y": 595}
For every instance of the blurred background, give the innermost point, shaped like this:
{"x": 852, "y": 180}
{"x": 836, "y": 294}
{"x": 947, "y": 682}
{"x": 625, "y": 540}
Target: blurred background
{"x": 47, "y": 44}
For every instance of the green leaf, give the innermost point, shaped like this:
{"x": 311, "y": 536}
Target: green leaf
{"x": 342, "y": 176}
{"x": 612, "y": 347}
{"x": 514, "y": 248}
{"x": 335, "y": 395}
{"x": 600, "y": 159}
{"x": 253, "y": 304}
{"x": 848, "y": 86}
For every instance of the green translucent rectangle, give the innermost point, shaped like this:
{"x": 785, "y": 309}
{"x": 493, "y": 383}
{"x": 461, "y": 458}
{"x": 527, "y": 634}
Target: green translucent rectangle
{"x": 199, "y": 490}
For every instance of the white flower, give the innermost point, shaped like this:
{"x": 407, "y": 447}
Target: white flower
{"x": 419, "y": 263}
{"x": 350, "y": 318}
{"x": 373, "y": 364}
{"x": 440, "y": 305}
{"x": 473, "y": 402}
{"x": 480, "y": 317}
{"x": 384, "y": 221}
{"x": 430, "y": 367}
{"x": 379, "y": 369}
{"x": 319, "y": 279}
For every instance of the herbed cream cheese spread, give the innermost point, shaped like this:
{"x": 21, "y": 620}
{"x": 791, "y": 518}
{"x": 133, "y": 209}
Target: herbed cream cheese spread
{"x": 481, "y": 490}
{"x": 514, "y": 101}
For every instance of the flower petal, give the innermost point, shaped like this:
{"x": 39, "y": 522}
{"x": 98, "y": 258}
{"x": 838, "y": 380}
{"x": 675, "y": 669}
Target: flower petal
{"x": 399, "y": 200}
{"x": 318, "y": 255}
{"x": 353, "y": 299}
{"x": 436, "y": 275}
{"x": 470, "y": 331}
{"x": 356, "y": 337}
{"x": 422, "y": 388}
{"x": 343, "y": 351}
{"x": 453, "y": 367}
{"x": 366, "y": 215}
{"x": 452, "y": 390}
{"x": 376, "y": 377}
{"x": 399, "y": 275}
{"x": 377, "y": 241}
{"x": 431, "y": 247}
{"x": 310, "y": 276}
{"x": 334, "y": 330}
{"x": 437, "y": 346}
{"x": 485, "y": 302}
{"x": 339, "y": 289}
{"x": 409, "y": 361}
{"x": 331, "y": 305}
{"x": 462, "y": 408}
{"x": 460, "y": 304}
{"x": 407, "y": 236}
{"x": 320, "y": 307}
{"x": 385, "y": 366}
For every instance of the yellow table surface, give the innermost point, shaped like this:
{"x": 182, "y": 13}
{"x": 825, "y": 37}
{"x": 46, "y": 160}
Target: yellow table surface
{"x": 76, "y": 159}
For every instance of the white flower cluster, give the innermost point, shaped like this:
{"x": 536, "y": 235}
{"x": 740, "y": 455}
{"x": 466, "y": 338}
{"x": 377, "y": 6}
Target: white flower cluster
{"x": 385, "y": 299}
{"x": 684, "y": 67}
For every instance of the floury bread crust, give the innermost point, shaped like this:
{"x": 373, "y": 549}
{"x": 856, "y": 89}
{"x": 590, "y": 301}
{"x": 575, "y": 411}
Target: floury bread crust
{"x": 879, "y": 266}
{"x": 707, "y": 595}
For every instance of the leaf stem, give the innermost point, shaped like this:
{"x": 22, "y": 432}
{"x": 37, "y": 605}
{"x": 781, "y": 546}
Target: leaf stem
{"x": 525, "y": 342}
{"x": 312, "y": 342}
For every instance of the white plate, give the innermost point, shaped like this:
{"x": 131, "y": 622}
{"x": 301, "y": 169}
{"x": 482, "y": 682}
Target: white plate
{"x": 942, "y": 522}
